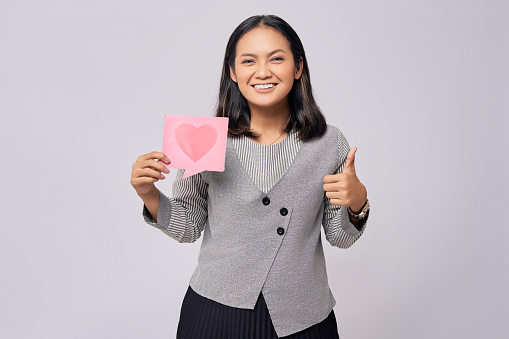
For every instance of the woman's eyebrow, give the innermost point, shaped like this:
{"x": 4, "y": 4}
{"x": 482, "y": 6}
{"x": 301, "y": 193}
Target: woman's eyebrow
{"x": 268, "y": 54}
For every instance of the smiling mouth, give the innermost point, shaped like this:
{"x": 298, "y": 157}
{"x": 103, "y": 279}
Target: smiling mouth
{"x": 265, "y": 86}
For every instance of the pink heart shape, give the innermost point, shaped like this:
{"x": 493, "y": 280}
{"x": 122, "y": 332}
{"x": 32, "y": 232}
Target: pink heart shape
{"x": 195, "y": 142}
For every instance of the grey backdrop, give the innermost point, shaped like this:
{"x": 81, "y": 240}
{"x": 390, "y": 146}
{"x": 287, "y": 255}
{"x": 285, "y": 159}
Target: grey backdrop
{"x": 420, "y": 87}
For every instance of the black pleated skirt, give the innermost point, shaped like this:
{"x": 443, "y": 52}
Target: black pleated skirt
{"x": 202, "y": 318}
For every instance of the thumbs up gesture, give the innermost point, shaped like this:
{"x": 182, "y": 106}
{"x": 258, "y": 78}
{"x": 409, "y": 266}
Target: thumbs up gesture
{"x": 345, "y": 189}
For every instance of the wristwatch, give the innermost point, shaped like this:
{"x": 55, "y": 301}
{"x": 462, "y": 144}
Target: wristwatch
{"x": 362, "y": 213}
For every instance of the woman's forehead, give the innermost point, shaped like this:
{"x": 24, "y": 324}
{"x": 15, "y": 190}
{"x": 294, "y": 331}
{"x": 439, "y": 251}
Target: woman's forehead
{"x": 262, "y": 40}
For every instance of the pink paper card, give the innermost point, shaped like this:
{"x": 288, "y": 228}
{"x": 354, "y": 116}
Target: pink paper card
{"x": 195, "y": 144}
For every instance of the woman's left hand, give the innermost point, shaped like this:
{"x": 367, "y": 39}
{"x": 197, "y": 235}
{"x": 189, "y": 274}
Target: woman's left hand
{"x": 345, "y": 189}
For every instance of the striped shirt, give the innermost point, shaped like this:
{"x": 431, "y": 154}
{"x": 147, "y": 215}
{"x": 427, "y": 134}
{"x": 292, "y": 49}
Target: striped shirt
{"x": 266, "y": 165}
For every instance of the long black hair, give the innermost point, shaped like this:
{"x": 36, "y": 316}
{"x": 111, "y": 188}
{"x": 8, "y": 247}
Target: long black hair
{"x": 305, "y": 115}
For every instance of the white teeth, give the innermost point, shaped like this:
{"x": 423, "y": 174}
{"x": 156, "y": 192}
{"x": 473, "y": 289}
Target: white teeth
{"x": 264, "y": 86}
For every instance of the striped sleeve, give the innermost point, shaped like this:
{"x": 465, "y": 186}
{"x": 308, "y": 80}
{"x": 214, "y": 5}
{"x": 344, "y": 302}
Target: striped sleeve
{"x": 183, "y": 216}
{"x": 339, "y": 231}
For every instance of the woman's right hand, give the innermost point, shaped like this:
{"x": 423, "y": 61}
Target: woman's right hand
{"x": 146, "y": 171}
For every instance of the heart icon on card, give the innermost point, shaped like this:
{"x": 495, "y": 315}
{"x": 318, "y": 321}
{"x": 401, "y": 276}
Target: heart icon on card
{"x": 195, "y": 142}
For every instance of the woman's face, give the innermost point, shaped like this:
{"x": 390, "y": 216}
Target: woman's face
{"x": 264, "y": 68}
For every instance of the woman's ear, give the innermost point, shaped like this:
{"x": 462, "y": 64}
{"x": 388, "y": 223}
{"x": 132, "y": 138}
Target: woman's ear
{"x": 298, "y": 71}
{"x": 232, "y": 74}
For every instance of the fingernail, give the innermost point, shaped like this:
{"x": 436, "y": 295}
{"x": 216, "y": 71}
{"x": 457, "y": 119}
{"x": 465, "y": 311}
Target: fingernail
{"x": 166, "y": 170}
{"x": 166, "y": 160}
{"x": 162, "y": 176}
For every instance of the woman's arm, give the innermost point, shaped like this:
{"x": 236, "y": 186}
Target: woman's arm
{"x": 151, "y": 201}
{"x": 339, "y": 230}
{"x": 183, "y": 216}
{"x": 343, "y": 190}
{"x": 358, "y": 223}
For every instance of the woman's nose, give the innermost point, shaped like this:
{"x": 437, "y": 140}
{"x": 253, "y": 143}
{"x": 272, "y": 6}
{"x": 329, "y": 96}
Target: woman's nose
{"x": 263, "y": 71}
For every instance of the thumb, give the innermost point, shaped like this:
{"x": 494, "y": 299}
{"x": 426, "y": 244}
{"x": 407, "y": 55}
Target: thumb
{"x": 350, "y": 161}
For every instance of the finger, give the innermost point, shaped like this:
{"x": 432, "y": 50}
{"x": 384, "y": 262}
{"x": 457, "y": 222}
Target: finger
{"x": 350, "y": 160}
{"x": 154, "y": 155}
{"x": 332, "y": 178}
{"x": 148, "y": 172}
{"x": 164, "y": 158}
{"x": 337, "y": 202}
{"x": 157, "y": 165}
{"x": 142, "y": 181}
{"x": 333, "y": 195}
{"x": 333, "y": 187}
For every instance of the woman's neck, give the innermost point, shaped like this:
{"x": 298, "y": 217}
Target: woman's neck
{"x": 269, "y": 123}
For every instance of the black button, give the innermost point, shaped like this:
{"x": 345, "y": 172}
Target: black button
{"x": 283, "y": 211}
{"x": 266, "y": 201}
{"x": 280, "y": 230}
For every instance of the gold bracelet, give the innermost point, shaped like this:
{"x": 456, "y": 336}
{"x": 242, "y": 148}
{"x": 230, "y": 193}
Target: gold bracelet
{"x": 362, "y": 213}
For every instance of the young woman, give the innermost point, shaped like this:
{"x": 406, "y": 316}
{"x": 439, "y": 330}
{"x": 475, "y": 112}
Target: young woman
{"x": 261, "y": 270}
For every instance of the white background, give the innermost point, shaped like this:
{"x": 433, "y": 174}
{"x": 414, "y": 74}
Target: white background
{"x": 420, "y": 87}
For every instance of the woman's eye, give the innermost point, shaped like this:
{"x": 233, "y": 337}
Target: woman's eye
{"x": 247, "y": 61}
{"x": 277, "y": 59}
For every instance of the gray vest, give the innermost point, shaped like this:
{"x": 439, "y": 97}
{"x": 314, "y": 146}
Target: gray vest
{"x": 271, "y": 243}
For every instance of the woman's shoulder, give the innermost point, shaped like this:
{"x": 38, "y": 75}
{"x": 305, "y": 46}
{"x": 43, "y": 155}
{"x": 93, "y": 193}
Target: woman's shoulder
{"x": 339, "y": 137}
{"x": 332, "y": 134}
{"x": 334, "y": 130}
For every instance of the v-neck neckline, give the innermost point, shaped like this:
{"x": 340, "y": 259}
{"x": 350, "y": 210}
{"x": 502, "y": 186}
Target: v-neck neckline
{"x": 284, "y": 140}
{"x": 277, "y": 182}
